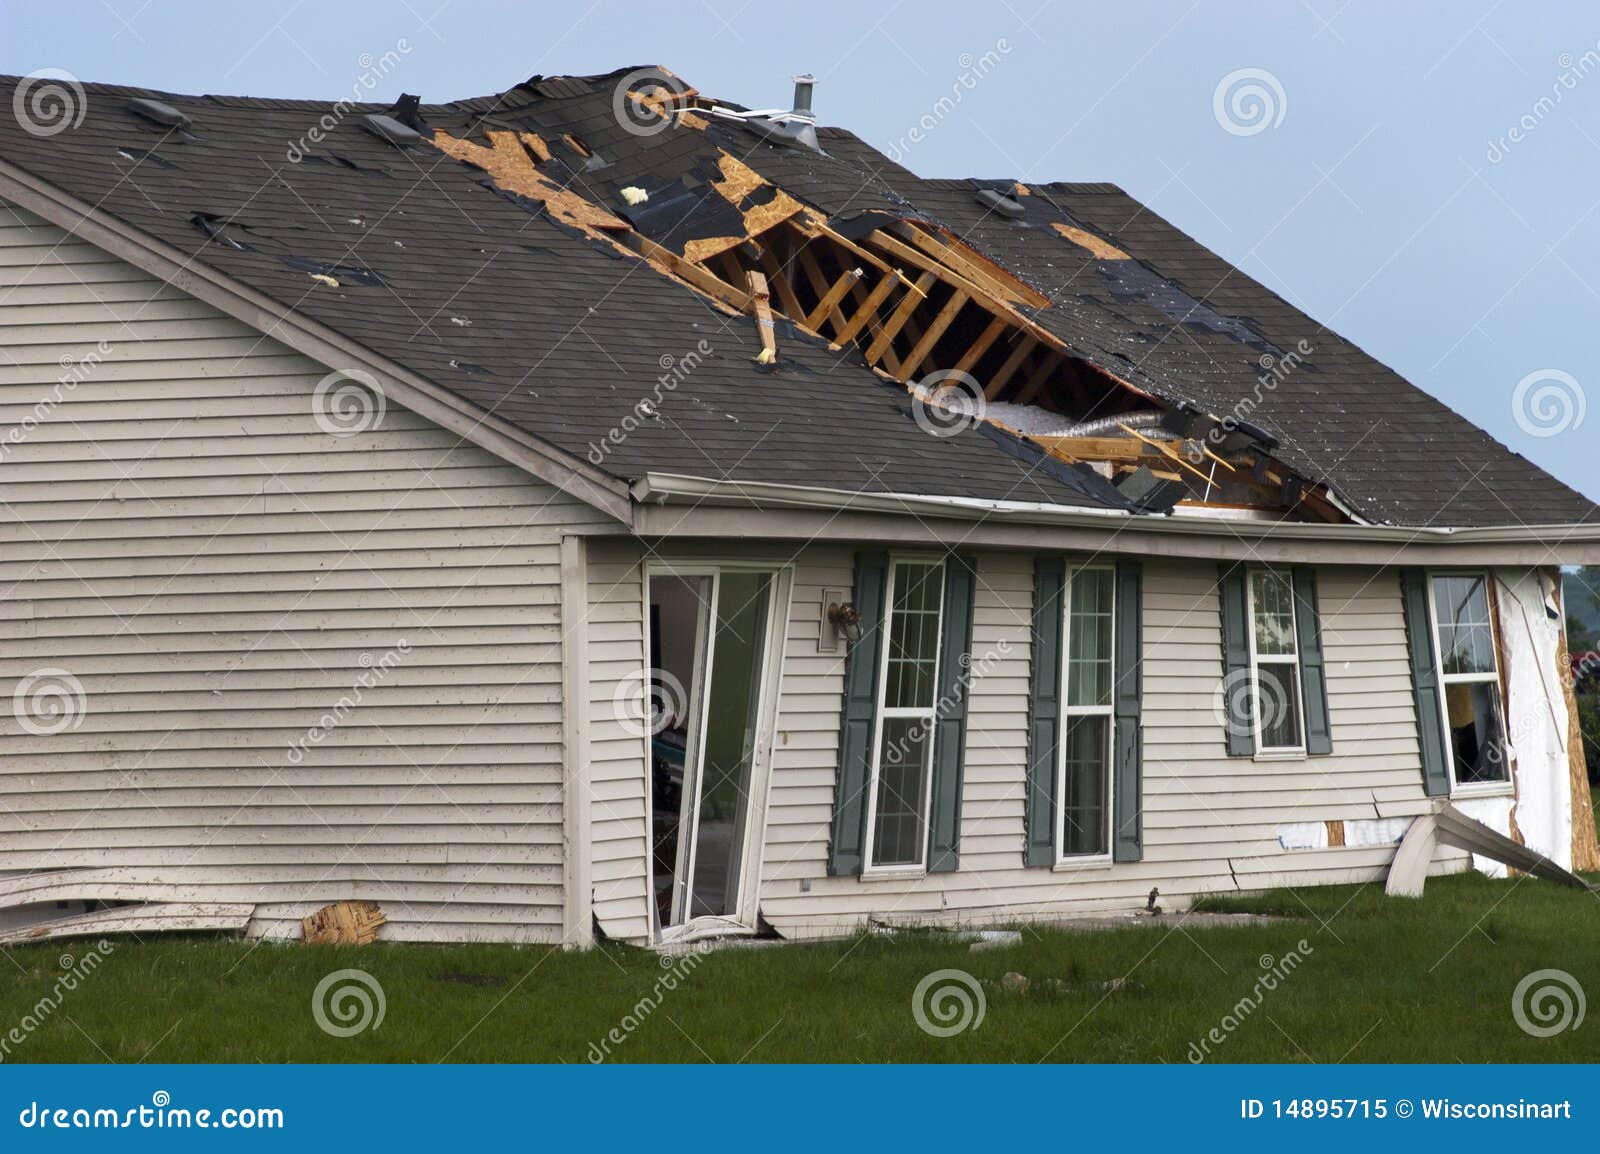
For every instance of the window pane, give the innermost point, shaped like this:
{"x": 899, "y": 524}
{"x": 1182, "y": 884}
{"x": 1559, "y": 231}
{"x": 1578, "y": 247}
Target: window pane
{"x": 1273, "y": 597}
{"x": 1089, "y": 639}
{"x": 1466, "y": 639}
{"x": 1084, "y": 799}
{"x": 902, "y": 761}
{"x": 913, "y": 636}
{"x": 1476, "y": 740}
{"x": 1279, "y": 705}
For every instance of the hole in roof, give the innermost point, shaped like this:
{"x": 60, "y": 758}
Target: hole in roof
{"x": 471, "y": 369}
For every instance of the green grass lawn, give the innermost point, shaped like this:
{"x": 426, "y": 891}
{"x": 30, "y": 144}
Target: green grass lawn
{"x": 1382, "y": 980}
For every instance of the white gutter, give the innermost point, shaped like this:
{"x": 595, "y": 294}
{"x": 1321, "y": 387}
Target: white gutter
{"x": 673, "y": 489}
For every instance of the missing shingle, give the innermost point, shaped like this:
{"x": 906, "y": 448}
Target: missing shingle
{"x": 141, "y": 155}
{"x": 217, "y": 228}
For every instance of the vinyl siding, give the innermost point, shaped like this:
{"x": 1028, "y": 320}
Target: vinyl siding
{"x": 1211, "y": 821}
{"x": 616, "y": 771}
{"x": 217, "y": 573}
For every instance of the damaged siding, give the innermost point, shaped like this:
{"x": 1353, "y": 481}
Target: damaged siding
{"x": 616, "y": 770}
{"x": 217, "y": 573}
{"x": 1211, "y": 821}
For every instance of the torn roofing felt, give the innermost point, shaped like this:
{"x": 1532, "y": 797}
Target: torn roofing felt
{"x": 499, "y": 255}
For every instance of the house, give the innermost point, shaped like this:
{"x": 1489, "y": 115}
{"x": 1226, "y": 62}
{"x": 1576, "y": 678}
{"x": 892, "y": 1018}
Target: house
{"x": 597, "y": 509}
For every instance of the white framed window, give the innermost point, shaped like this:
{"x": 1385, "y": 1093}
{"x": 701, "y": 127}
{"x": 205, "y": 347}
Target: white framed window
{"x": 1277, "y": 713}
{"x": 1083, "y": 763}
{"x": 900, "y": 792}
{"x": 1469, "y": 682}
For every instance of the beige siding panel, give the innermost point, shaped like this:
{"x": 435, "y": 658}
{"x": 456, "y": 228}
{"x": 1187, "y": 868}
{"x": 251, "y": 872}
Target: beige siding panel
{"x": 1210, "y": 820}
{"x": 228, "y": 586}
{"x": 616, "y": 772}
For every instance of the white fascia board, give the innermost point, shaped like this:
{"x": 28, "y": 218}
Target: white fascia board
{"x": 689, "y": 495}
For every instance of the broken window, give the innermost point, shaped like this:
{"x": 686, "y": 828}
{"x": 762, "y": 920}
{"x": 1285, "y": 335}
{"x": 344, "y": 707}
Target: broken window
{"x": 1469, "y": 680}
{"x": 1274, "y": 663}
{"x": 1085, "y": 769}
{"x": 897, "y": 822}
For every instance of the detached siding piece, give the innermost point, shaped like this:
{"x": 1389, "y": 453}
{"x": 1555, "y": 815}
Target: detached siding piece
{"x": 225, "y": 589}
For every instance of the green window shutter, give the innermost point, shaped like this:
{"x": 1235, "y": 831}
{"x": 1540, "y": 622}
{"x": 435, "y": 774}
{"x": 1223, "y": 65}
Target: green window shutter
{"x": 1127, "y": 843}
{"x": 950, "y": 719}
{"x": 1236, "y": 691}
{"x": 1313, "y": 671}
{"x": 1424, "y": 681}
{"x": 857, "y": 727}
{"x": 1044, "y": 711}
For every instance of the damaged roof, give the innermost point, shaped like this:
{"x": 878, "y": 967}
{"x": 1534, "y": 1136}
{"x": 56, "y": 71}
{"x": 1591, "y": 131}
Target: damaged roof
{"x": 591, "y": 278}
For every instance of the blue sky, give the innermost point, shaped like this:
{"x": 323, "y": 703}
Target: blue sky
{"x": 1383, "y": 193}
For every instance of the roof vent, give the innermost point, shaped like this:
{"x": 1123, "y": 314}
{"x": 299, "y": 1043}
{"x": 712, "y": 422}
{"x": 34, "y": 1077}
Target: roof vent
{"x": 795, "y": 128}
{"x": 803, "y": 84}
{"x": 390, "y": 129}
{"x": 158, "y": 113}
{"x": 999, "y": 202}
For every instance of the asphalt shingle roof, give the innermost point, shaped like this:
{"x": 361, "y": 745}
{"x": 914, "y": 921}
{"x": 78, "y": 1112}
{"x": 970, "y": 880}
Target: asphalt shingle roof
{"x": 563, "y": 337}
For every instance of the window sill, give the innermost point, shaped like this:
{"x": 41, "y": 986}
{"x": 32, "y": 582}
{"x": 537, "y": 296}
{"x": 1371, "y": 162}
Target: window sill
{"x": 1280, "y": 755}
{"x": 893, "y": 874}
{"x": 1488, "y": 789}
{"x": 1073, "y": 865}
